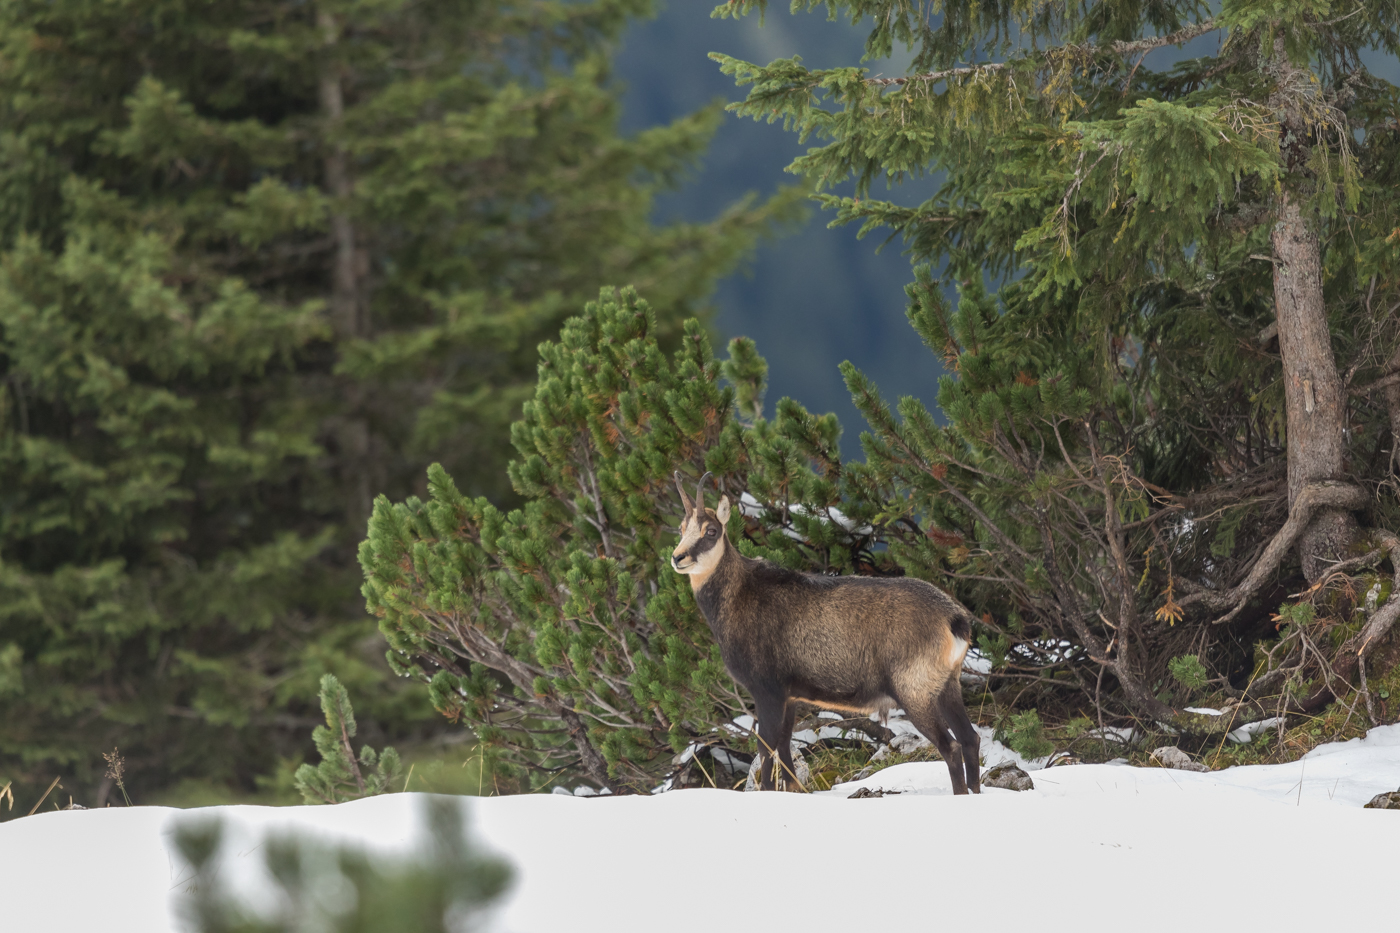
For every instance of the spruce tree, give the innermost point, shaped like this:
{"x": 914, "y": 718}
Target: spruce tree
{"x": 1172, "y": 395}
{"x": 259, "y": 261}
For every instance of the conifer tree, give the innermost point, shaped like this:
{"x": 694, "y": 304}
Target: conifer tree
{"x": 259, "y": 260}
{"x": 1172, "y": 395}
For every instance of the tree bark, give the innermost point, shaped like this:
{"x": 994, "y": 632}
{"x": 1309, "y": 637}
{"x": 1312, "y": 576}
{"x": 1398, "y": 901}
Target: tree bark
{"x": 1392, "y": 408}
{"x": 1315, "y": 400}
{"x": 593, "y": 762}
{"x": 345, "y": 286}
{"x": 347, "y": 305}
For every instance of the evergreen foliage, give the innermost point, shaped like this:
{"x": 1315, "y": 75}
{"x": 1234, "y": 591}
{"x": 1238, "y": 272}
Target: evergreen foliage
{"x": 324, "y": 889}
{"x": 1124, "y": 475}
{"x": 341, "y": 776}
{"x": 1024, "y": 734}
{"x": 259, "y": 260}
{"x": 1189, "y": 671}
{"x": 558, "y": 631}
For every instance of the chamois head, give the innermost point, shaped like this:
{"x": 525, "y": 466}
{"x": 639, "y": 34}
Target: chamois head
{"x": 702, "y": 535}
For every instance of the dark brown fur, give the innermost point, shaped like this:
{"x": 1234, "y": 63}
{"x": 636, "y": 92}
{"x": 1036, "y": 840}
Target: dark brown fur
{"x": 861, "y": 644}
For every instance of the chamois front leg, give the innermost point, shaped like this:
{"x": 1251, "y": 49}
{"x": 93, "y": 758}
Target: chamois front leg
{"x": 774, "y": 738}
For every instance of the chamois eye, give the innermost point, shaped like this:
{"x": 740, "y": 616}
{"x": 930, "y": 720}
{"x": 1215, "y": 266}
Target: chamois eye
{"x": 711, "y": 531}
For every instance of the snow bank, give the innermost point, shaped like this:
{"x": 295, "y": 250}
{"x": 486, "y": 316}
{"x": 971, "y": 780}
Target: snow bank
{"x": 1093, "y": 847}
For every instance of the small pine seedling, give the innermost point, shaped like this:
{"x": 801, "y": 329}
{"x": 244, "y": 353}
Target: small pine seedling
{"x": 1189, "y": 671}
{"x": 341, "y": 776}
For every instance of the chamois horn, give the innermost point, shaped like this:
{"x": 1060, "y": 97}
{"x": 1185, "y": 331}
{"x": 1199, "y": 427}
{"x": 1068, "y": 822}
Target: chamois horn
{"x": 700, "y": 490}
{"x": 685, "y": 500}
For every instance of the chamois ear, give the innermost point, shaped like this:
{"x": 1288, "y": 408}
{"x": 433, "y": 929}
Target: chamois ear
{"x": 722, "y": 510}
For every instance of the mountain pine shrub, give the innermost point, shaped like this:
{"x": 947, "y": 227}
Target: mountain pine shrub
{"x": 558, "y": 631}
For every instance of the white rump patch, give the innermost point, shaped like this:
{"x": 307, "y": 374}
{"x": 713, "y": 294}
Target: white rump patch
{"x": 956, "y": 652}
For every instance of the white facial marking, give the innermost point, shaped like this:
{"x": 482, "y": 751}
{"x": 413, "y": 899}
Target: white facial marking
{"x": 699, "y": 530}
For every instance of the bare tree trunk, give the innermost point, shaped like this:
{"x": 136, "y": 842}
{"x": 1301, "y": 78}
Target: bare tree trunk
{"x": 345, "y": 286}
{"x": 1315, "y": 400}
{"x": 1392, "y": 407}
{"x": 347, "y": 305}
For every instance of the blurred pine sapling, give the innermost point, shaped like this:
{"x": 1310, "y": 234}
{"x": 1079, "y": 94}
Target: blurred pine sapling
{"x": 342, "y": 889}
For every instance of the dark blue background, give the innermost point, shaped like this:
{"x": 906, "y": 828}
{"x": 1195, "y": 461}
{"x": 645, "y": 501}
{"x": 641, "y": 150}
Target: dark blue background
{"x": 813, "y": 298}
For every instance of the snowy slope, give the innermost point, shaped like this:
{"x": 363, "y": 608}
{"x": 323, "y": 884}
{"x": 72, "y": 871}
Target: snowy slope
{"x": 1093, "y": 847}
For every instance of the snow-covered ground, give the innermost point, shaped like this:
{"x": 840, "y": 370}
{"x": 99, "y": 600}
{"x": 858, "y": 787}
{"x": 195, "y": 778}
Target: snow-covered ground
{"x": 1093, "y": 847}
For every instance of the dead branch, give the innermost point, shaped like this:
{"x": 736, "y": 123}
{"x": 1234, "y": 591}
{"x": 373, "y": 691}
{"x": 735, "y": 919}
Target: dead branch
{"x": 1184, "y": 34}
{"x": 1378, "y": 626}
{"x": 858, "y": 724}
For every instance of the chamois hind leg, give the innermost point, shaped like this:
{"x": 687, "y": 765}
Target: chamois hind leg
{"x": 952, "y": 711}
{"x": 787, "y": 773}
{"x": 924, "y": 715}
{"x": 773, "y": 722}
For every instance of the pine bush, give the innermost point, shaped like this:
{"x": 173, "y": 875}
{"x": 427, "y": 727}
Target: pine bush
{"x": 558, "y": 631}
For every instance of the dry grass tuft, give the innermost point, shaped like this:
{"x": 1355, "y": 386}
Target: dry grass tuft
{"x": 116, "y": 767}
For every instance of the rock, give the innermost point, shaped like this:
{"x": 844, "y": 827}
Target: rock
{"x": 1008, "y": 777}
{"x": 865, "y": 793}
{"x": 908, "y": 743}
{"x": 804, "y": 773}
{"x": 730, "y": 765}
{"x": 1386, "y": 801}
{"x": 1169, "y": 756}
{"x": 708, "y": 766}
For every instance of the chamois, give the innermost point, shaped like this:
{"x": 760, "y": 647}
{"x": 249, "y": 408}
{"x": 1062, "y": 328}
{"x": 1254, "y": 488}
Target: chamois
{"x": 858, "y": 644}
